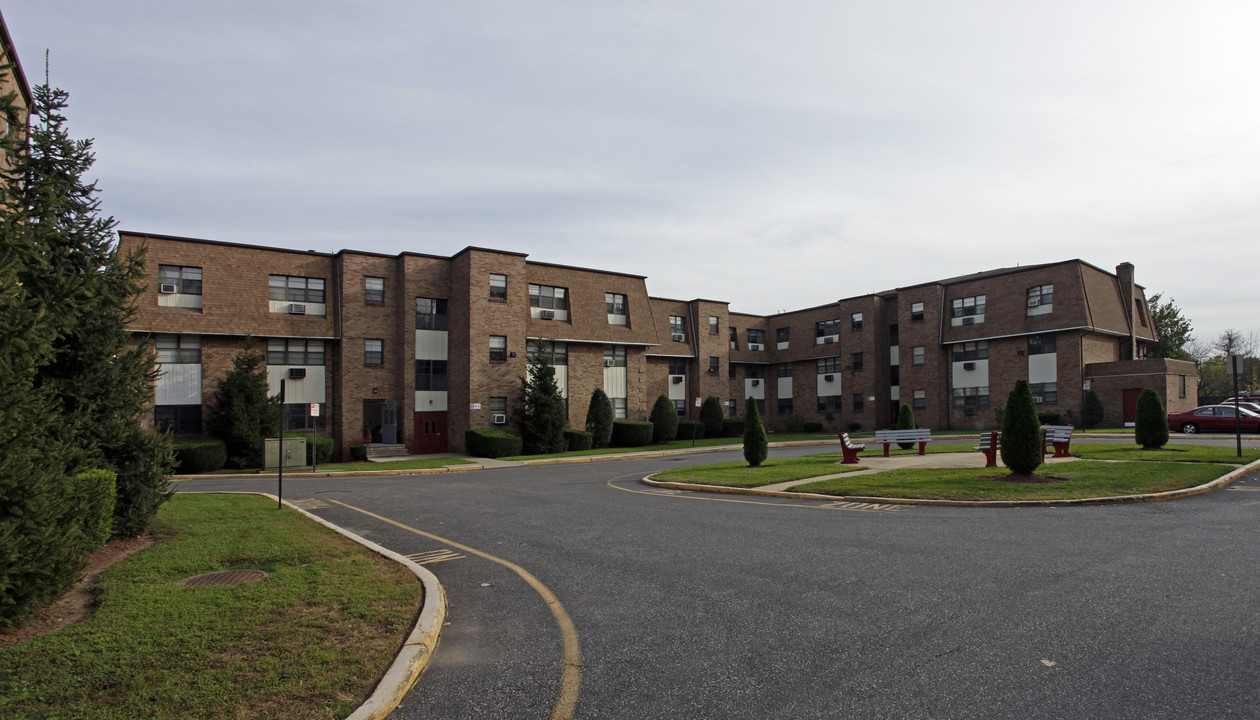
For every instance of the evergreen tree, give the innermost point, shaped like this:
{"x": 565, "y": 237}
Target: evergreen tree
{"x": 1151, "y": 427}
{"x": 242, "y": 413}
{"x": 1172, "y": 330}
{"x": 905, "y": 421}
{"x": 543, "y": 416}
{"x": 599, "y": 419}
{"x": 1093, "y": 409}
{"x": 1021, "y": 431}
{"x": 712, "y": 416}
{"x": 664, "y": 419}
{"x": 756, "y": 445}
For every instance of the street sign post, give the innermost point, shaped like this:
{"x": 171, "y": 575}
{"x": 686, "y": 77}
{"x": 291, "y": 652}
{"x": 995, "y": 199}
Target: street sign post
{"x": 1234, "y": 364}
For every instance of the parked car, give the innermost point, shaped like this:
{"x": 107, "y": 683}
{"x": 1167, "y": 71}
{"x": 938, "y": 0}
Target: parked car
{"x": 1243, "y": 399}
{"x": 1213, "y": 418}
{"x": 1245, "y": 405}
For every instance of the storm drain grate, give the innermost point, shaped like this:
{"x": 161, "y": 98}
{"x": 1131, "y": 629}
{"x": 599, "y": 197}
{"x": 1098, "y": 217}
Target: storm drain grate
{"x": 223, "y": 577}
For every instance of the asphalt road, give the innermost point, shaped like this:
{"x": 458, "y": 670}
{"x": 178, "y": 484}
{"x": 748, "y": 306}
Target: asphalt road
{"x": 689, "y": 605}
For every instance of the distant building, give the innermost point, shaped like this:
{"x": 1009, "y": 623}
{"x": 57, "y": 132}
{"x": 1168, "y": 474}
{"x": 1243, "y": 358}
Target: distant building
{"x": 413, "y": 349}
{"x": 13, "y": 80}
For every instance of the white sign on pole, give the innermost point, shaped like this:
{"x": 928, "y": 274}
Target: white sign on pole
{"x": 1234, "y": 364}
{"x": 314, "y": 409}
{"x": 1085, "y": 386}
{"x": 697, "y": 402}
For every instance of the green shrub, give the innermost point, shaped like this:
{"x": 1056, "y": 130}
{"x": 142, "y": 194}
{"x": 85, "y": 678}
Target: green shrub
{"x": 1021, "y": 433}
{"x": 712, "y": 416}
{"x": 1151, "y": 426}
{"x": 854, "y": 426}
{"x": 812, "y": 427}
{"x": 664, "y": 420}
{"x": 1093, "y": 409}
{"x": 491, "y": 443}
{"x": 732, "y": 427}
{"x": 143, "y": 461}
{"x": 627, "y": 433}
{"x": 690, "y": 429}
{"x": 322, "y": 448}
{"x": 94, "y": 492}
{"x": 795, "y": 423}
{"x": 199, "y": 455}
{"x": 756, "y": 446}
{"x": 543, "y": 411}
{"x": 577, "y": 440}
{"x": 358, "y": 452}
{"x": 1049, "y": 418}
{"x": 905, "y": 421}
{"x": 599, "y": 418}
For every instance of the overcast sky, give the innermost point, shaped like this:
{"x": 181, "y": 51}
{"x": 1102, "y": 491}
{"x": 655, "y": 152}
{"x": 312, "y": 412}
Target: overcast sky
{"x": 776, "y": 155}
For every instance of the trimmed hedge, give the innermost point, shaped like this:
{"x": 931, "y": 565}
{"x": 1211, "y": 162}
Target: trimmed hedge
{"x": 628, "y": 433}
{"x": 358, "y": 452}
{"x": 686, "y": 427}
{"x": 94, "y": 493}
{"x": 199, "y": 456}
{"x": 323, "y": 450}
{"x": 491, "y": 443}
{"x": 812, "y": 427}
{"x": 576, "y": 440}
{"x": 854, "y": 426}
{"x": 664, "y": 419}
{"x": 732, "y": 427}
{"x": 1049, "y": 418}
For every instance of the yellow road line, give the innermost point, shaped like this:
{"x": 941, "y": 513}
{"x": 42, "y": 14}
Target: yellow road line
{"x": 571, "y": 677}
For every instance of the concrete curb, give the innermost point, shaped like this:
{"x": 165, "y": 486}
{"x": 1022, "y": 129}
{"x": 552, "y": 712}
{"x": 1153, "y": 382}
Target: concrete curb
{"x": 1217, "y": 484}
{"x": 417, "y": 649}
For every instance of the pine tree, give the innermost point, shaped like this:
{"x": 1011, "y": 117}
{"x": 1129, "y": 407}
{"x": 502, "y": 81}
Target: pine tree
{"x": 905, "y": 421}
{"x": 712, "y": 416}
{"x": 543, "y": 417}
{"x": 1093, "y": 409}
{"x": 599, "y": 419}
{"x": 1021, "y": 431}
{"x": 664, "y": 419}
{"x": 1151, "y": 427}
{"x": 756, "y": 445}
{"x": 242, "y": 413}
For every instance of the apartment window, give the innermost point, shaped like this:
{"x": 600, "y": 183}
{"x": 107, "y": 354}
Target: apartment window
{"x": 498, "y": 348}
{"x": 714, "y": 365}
{"x": 178, "y": 349}
{"x": 968, "y": 352}
{"x": 677, "y": 366}
{"x": 713, "y": 325}
{"x": 919, "y": 399}
{"x": 178, "y": 419}
{"x": 730, "y": 370}
{"x": 855, "y": 361}
{"x": 761, "y": 407}
{"x": 856, "y": 320}
{"x": 731, "y": 404}
{"x": 430, "y": 314}
{"x": 785, "y": 370}
{"x": 497, "y": 406}
{"x": 828, "y": 366}
{"x": 971, "y": 396}
{"x": 616, "y": 303}
{"x": 969, "y": 306}
{"x": 187, "y": 280}
{"x": 894, "y": 375}
{"x": 916, "y": 355}
{"x": 828, "y": 404}
{"x": 678, "y": 328}
{"x": 782, "y": 334}
{"x": 295, "y": 289}
{"x": 547, "y": 297}
{"x": 1181, "y": 386}
{"x": 373, "y": 352}
{"x": 734, "y": 337}
{"x": 916, "y": 312}
{"x": 1044, "y": 393}
{"x": 680, "y": 406}
{"x": 1041, "y": 344}
{"x": 894, "y": 335}
{"x": 619, "y": 408}
{"x": 756, "y": 337}
{"x": 430, "y": 375}
{"x": 1040, "y": 296}
{"x": 785, "y": 406}
{"x": 826, "y": 329}
{"x": 556, "y": 353}
{"x": 295, "y": 351}
{"x": 374, "y": 290}
{"x": 299, "y": 416}
{"x": 498, "y": 288}
{"x": 614, "y": 356}
{"x": 1141, "y": 311}
{"x": 755, "y": 371}
{"x": 858, "y": 404}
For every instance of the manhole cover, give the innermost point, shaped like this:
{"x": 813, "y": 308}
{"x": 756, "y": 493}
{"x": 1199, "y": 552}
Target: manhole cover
{"x": 223, "y": 577}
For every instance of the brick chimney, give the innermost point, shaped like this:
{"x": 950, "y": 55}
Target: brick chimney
{"x": 1124, "y": 276}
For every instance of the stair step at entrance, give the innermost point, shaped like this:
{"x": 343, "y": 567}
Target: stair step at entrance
{"x": 383, "y": 451}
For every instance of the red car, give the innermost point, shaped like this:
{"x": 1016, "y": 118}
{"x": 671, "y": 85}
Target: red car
{"x": 1213, "y": 418}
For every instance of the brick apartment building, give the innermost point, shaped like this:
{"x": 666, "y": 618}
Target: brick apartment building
{"x": 414, "y": 349}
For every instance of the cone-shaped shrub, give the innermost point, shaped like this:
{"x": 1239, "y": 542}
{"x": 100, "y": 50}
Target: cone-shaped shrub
{"x": 756, "y": 446}
{"x": 1151, "y": 428}
{"x": 1021, "y": 433}
{"x": 1093, "y": 409}
{"x": 712, "y": 416}
{"x": 664, "y": 419}
{"x": 599, "y": 418}
{"x": 905, "y": 421}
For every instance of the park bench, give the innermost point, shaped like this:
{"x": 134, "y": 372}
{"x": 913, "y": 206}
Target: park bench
{"x": 922, "y": 436}
{"x": 990, "y": 444}
{"x": 850, "y": 449}
{"x": 1057, "y": 436}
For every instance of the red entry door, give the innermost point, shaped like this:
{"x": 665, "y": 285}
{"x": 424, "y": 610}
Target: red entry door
{"x": 1130, "y": 398}
{"x": 430, "y": 433}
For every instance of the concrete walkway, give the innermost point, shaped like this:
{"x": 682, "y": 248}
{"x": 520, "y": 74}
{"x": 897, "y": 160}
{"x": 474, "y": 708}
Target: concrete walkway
{"x": 877, "y": 463}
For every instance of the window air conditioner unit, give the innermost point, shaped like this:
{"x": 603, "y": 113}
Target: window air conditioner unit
{"x": 1037, "y": 398}
{"x": 969, "y": 366}
{"x": 1034, "y": 302}
{"x": 755, "y": 382}
{"x": 713, "y": 371}
{"x": 677, "y": 379}
{"x": 498, "y": 418}
{"x": 297, "y": 373}
{"x": 829, "y": 339}
{"x": 679, "y": 337}
{"x": 297, "y": 309}
{"x": 547, "y": 315}
{"x": 167, "y": 288}
{"x": 828, "y": 378}
{"x": 609, "y": 363}
{"x": 969, "y": 321}
{"x": 756, "y": 346}
{"x": 969, "y": 411}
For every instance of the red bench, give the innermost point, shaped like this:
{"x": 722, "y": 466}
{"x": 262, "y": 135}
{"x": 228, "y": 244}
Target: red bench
{"x": 990, "y": 444}
{"x": 850, "y": 449}
{"x": 1057, "y": 436}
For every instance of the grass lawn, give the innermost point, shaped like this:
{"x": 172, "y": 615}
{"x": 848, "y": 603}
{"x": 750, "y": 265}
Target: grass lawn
{"x": 738, "y": 474}
{"x": 677, "y": 445}
{"x": 1170, "y": 453}
{"x": 1083, "y": 479}
{"x": 308, "y": 641}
